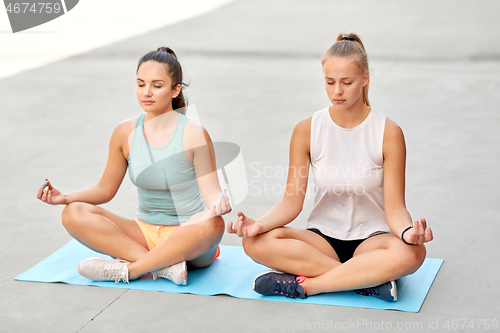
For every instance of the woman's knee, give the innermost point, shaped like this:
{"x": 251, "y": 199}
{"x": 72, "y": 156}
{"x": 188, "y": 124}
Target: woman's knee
{"x": 255, "y": 246}
{"x": 72, "y": 214}
{"x": 212, "y": 226}
{"x": 414, "y": 256}
{"x": 217, "y": 225}
{"x": 248, "y": 244}
{"x": 68, "y": 214}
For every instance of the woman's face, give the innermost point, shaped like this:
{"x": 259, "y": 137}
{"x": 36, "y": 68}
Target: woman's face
{"x": 344, "y": 82}
{"x": 154, "y": 88}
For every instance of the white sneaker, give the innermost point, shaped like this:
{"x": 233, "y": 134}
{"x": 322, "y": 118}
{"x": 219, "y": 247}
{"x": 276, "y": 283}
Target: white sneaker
{"x": 100, "y": 269}
{"x": 176, "y": 273}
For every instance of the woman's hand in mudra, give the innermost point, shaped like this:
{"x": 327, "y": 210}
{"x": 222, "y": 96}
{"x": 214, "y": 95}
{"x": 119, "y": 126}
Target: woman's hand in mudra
{"x": 419, "y": 234}
{"x": 49, "y": 194}
{"x": 222, "y": 206}
{"x": 244, "y": 226}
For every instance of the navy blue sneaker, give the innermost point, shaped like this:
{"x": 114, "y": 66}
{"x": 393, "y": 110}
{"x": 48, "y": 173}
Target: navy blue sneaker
{"x": 387, "y": 291}
{"x": 271, "y": 283}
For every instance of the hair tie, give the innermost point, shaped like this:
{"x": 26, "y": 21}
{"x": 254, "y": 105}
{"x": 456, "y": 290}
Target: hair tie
{"x": 348, "y": 38}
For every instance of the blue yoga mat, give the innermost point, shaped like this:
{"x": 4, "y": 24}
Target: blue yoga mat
{"x": 231, "y": 274}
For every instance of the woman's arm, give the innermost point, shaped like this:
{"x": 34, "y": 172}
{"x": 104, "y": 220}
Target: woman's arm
{"x": 291, "y": 205}
{"x": 396, "y": 214}
{"x": 199, "y": 149}
{"x": 111, "y": 179}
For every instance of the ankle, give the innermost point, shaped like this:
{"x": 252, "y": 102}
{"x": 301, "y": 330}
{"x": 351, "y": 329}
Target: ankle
{"x": 133, "y": 274}
{"x": 307, "y": 285}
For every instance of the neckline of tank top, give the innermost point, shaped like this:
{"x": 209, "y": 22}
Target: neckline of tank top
{"x": 334, "y": 124}
{"x": 169, "y": 141}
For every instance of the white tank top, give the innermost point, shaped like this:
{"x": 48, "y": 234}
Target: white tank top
{"x": 347, "y": 166}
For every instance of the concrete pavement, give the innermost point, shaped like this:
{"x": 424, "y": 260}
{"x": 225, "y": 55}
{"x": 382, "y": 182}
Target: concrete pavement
{"x": 254, "y": 72}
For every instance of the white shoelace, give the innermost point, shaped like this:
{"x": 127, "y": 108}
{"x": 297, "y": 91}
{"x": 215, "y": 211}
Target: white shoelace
{"x": 114, "y": 272}
{"x": 164, "y": 273}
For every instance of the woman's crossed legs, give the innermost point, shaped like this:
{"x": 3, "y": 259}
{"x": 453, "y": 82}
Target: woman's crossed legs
{"x": 377, "y": 260}
{"x": 119, "y": 237}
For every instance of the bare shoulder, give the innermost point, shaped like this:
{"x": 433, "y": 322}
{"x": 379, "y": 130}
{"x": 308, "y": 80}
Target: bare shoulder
{"x": 303, "y": 127}
{"x": 121, "y": 137}
{"x": 392, "y": 130}
{"x": 126, "y": 127}
{"x": 301, "y": 137}
{"x": 194, "y": 127}
{"x": 195, "y": 135}
{"x": 394, "y": 140}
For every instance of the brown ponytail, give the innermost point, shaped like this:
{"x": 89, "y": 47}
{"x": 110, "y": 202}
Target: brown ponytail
{"x": 350, "y": 45}
{"x": 165, "y": 55}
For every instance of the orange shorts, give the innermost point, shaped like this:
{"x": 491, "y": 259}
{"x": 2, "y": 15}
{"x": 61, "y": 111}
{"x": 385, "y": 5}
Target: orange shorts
{"x": 156, "y": 234}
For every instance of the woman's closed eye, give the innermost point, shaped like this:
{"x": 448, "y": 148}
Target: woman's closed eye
{"x": 346, "y": 83}
{"x": 142, "y": 85}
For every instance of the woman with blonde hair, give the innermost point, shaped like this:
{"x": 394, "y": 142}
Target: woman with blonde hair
{"x": 359, "y": 234}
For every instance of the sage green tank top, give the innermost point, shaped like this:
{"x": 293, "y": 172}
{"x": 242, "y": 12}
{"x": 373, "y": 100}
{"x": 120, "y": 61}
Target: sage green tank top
{"x": 167, "y": 190}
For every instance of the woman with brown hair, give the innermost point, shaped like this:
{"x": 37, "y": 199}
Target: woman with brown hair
{"x": 180, "y": 203}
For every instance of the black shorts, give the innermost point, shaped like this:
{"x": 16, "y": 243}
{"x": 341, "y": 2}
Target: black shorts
{"x": 344, "y": 248}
